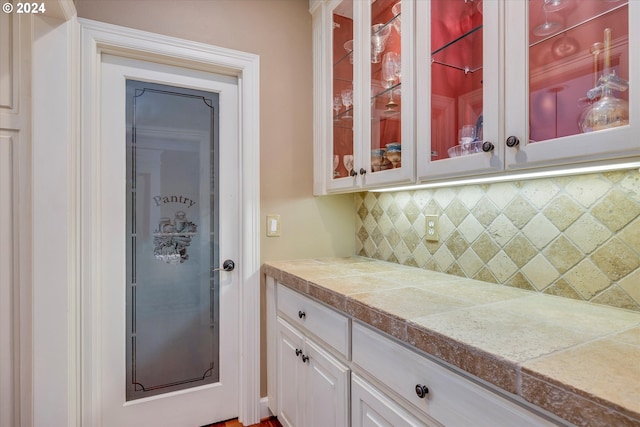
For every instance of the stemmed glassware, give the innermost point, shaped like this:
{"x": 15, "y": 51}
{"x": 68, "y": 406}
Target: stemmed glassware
{"x": 347, "y": 100}
{"x": 336, "y": 162}
{"x": 549, "y": 27}
{"x": 390, "y": 72}
{"x": 379, "y": 35}
{"x": 337, "y": 105}
{"x": 347, "y": 160}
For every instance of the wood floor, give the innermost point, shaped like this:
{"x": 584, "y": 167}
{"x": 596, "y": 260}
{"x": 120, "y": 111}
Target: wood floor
{"x": 267, "y": 422}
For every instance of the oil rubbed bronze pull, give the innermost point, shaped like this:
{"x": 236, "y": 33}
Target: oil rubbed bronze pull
{"x": 422, "y": 390}
{"x": 512, "y": 141}
{"x": 302, "y": 314}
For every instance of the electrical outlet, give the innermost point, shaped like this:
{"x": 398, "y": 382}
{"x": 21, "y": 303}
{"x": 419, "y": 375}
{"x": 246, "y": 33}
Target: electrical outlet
{"x": 432, "y": 227}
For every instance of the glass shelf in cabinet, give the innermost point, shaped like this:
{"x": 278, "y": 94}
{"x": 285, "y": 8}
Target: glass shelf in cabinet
{"x": 448, "y": 55}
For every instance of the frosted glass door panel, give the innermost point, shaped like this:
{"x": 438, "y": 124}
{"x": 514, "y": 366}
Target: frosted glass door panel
{"x": 172, "y": 221}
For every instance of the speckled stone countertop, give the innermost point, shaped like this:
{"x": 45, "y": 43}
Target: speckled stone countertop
{"x": 577, "y": 360}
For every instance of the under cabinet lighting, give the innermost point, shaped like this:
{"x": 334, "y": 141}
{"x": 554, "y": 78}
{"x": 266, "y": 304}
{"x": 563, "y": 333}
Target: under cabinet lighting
{"x": 514, "y": 177}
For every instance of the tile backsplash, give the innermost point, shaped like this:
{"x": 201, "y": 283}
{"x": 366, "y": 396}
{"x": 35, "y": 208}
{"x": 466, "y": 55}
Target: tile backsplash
{"x": 576, "y": 237}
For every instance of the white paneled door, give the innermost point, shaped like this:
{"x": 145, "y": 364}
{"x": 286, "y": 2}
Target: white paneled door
{"x": 168, "y": 218}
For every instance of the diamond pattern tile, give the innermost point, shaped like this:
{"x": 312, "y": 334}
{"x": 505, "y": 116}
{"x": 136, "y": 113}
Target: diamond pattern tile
{"x": 576, "y": 237}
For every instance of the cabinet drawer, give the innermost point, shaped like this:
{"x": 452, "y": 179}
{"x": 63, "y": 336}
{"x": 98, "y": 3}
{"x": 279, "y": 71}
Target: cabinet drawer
{"x": 451, "y": 399}
{"x": 323, "y": 322}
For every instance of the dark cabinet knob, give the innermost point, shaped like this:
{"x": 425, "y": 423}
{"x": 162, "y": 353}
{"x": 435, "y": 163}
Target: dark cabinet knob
{"x": 512, "y": 141}
{"x": 305, "y": 358}
{"x": 422, "y": 390}
{"x": 298, "y": 352}
{"x": 302, "y": 314}
{"x": 353, "y": 172}
{"x": 362, "y": 171}
{"x": 487, "y": 146}
{"x": 227, "y": 265}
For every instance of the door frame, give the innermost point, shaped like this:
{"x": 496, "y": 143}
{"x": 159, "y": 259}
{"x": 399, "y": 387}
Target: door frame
{"x": 97, "y": 38}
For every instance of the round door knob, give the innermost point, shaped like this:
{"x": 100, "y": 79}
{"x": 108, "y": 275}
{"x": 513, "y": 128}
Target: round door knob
{"x": 422, "y": 390}
{"x": 298, "y": 352}
{"x": 302, "y": 314}
{"x": 487, "y": 146}
{"x": 305, "y": 358}
{"x": 353, "y": 172}
{"x": 512, "y": 141}
{"x": 362, "y": 171}
{"x": 227, "y": 265}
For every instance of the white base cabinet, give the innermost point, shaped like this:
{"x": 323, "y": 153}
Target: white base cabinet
{"x": 371, "y": 408}
{"x": 327, "y": 370}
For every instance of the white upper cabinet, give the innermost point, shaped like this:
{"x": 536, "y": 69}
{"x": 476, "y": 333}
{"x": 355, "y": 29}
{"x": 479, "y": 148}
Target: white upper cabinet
{"x": 458, "y": 82}
{"x": 417, "y": 91}
{"x": 572, "y": 87}
{"x": 364, "y": 94}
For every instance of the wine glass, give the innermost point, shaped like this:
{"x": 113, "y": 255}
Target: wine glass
{"x": 347, "y": 161}
{"x": 548, "y": 27}
{"x": 337, "y": 105}
{"x": 347, "y": 100}
{"x": 397, "y": 21}
{"x": 379, "y": 35}
{"x": 389, "y": 74}
{"x": 336, "y": 162}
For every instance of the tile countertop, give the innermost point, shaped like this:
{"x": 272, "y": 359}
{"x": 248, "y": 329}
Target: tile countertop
{"x": 578, "y": 360}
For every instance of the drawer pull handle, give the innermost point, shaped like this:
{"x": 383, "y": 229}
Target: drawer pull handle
{"x": 512, "y": 141}
{"x": 298, "y": 352}
{"x": 301, "y": 314}
{"x": 421, "y": 390}
{"x": 305, "y": 358}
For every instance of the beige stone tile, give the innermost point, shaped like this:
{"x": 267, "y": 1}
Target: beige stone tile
{"x": 587, "y": 189}
{"x": 446, "y": 227}
{"x": 411, "y": 239}
{"x": 587, "y": 279}
{"x": 502, "y": 230}
{"x": 411, "y": 210}
{"x": 520, "y": 250}
{"x": 470, "y": 195}
{"x": 506, "y": 335}
{"x": 402, "y": 225}
{"x": 421, "y": 254}
{"x": 370, "y": 200}
{"x": 562, "y": 211}
{"x": 358, "y": 284}
{"x": 486, "y": 276}
{"x": 501, "y": 193}
{"x": 456, "y": 212}
{"x": 485, "y": 211}
{"x": 385, "y": 200}
{"x": 501, "y": 266}
{"x": 615, "y": 210}
{"x": 631, "y": 285}
{"x": 540, "y": 231}
{"x": 539, "y": 191}
{"x": 631, "y": 235}
{"x": 520, "y": 281}
{"x": 401, "y": 198}
{"x": 470, "y": 263}
{"x": 443, "y": 196}
{"x": 615, "y": 259}
{"x": 575, "y": 368}
{"x": 563, "y": 254}
{"x": 614, "y": 296}
{"x": 540, "y": 272}
{"x": 422, "y": 198}
{"x": 401, "y": 252}
{"x": 631, "y": 185}
{"x": 587, "y": 233}
{"x": 519, "y": 211}
{"x": 485, "y": 247}
{"x": 470, "y": 228}
{"x": 400, "y": 302}
{"x": 587, "y": 319}
{"x": 443, "y": 258}
{"x": 456, "y": 244}
{"x": 561, "y": 288}
{"x": 630, "y": 336}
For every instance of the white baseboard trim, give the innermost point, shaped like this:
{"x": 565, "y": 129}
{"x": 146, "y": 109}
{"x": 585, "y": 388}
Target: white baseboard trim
{"x": 265, "y": 412}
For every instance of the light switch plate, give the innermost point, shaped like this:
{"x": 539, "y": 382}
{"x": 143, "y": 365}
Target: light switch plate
{"x": 273, "y": 225}
{"x": 431, "y": 222}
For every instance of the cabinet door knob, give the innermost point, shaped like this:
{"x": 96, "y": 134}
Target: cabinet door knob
{"x": 422, "y": 390}
{"x": 302, "y": 314}
{"x": 298, "y": 352}
{"x": 512, "y": 141}
{"x": 487, "y": 146}
{"x": 362, "y": 171}
{"x": 353, "y": 172}
{"x": 305, "y": 358}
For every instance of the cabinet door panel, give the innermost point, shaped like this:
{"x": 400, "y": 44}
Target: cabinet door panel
{"x": 370, "y": 408}
{"x": 290, "y": 375}
{"x": 327, "y": 389}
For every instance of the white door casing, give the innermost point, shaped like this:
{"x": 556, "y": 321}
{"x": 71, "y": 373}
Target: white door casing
{"x": 98, "y": 39}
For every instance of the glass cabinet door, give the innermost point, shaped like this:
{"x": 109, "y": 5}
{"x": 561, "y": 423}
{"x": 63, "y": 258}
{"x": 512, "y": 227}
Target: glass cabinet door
{"x": 578, "y": 72}
{"x": 344, "y": 107}
{"x": 458, "y": 87}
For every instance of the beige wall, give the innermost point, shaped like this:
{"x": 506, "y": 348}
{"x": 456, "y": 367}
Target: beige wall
{"x": 280, "y": 32}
